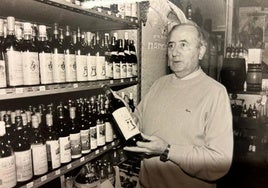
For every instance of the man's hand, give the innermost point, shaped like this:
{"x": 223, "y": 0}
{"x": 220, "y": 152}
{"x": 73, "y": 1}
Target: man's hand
{"x": 155, "y": 146}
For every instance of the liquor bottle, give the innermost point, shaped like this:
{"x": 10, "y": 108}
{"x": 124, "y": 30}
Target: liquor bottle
{"x": 100, "y": 58}
{"x": 81, "y": 59}
{"x": 52, "y": 143}
{"x": 45, "y": 57}
{"x": 75, "y": 136}
{"x": 12, "y": 55}
{"x": 100, "y": 122}
{"x": 122, "y": 59}
{"x": 58, "y": 65}
{"x": 125, "y": 123}
{"x": 64, "y": 137}
{"x": 27, "y": 131}
{"x": 107, "y": 53}
{"x": 109, "y": 131}
{"x": 39, "y": 150}
{"x": 22, "y": 151}
{"x": 114, "y": 58}
{"x": 3, "y": 78}
{"x": 69, "y": 56}
{"x": 133, "y": 58}
{"x": 93, "y": 126}
{"x": 7, "y": 160}
{"x": 131, "y": 102}
{"x": 127, "y": 56}
{"x": 30, "y": 62}
{"x": 91, "y": 58}
{"x": 84, "y": 130}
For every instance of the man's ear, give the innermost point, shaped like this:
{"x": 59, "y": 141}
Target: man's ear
{"x": 202, "y": 52}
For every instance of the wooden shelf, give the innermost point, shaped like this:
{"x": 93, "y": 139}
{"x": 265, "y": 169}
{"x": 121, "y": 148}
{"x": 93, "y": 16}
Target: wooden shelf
{"x": 22, "y": 92}
{"x": 72, "y": 165}
{"x": 51, "y": 11}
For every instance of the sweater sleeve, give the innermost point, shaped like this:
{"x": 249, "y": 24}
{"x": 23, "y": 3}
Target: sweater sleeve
{"x": 213, "y": 159}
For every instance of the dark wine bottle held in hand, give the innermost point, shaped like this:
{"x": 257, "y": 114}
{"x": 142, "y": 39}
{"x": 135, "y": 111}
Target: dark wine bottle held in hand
{"x": 124, "y": 121}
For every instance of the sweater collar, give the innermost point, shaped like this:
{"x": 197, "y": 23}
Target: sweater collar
{"x": 191, "y": 75}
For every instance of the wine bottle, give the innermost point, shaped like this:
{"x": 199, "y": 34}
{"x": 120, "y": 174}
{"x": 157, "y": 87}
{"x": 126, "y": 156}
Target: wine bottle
{"x": 122, "y": 59}
{"x": 109, "y": 132}
{"x": 10, "y": 130}
{"x": 52, "y": 143}
{"x": 75, "y": 136}
{"x": 125, "y": 123}
{"x": 100, "y": 58}
{"x": 12, "y": 55}
{"x": 131, "y": 102}
{"x": 93, "y": 126}
{"x": 39, "y": 150}
{"x": 107, "y": 53}
{"x": 127, "y": 56}
{"x": 3, "y": 78}
{"x": 69, "y": 56}
{"x": 45, "y": 58}
{"x": 7, "y": 160}
{"x": 114, "y": 58}
{"x": 91, "y": 58}
{"x": 84, "y": 130}
{"x": 133, "y": 58}
{"x": 100, "y": 122}
{"x": 30, "y": 62}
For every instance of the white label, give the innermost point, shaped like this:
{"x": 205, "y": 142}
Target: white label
{"x": 116, "y": 70}
{"x": 109, "y": 69}
{"x": 109, "y": 132}
{"x": 75, "y": 140}
{"x": 46, "y": 74}
{"x": 7, "y": 172}
{"x": 70, "y": 66}
{"x": 93, "y": 137}
{"x": 100, "y": 67}
{"x": 65, "y": 149}
{"x": 24, "y": 165}
{"x": 81, "y": 66}
{"x": 14, "y": 68}
{"x": 58, "y": 68}
{"x": 100, "y": 134}
{"x": 135, "y": 69}
{"x": 39, "y": 153}
{"x": 3, "y": 78}
{"x": 91, "y": 64}
{"x": 53, "y": 150}
{"x": 125, "y": 122}
{"x": 30, "y": 68}
{"x": 129, "y": 70}
{"x": 85, "y": 141}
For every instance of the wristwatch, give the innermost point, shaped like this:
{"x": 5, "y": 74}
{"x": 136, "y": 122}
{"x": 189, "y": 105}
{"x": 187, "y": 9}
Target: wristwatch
{"x": 164, "y": 155}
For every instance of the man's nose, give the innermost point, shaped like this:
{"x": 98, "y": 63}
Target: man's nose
{"x": 176, "y": 51}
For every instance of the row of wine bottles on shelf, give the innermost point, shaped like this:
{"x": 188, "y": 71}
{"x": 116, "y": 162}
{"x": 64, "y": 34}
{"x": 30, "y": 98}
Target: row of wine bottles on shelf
{"x": 235, "y": 51}
{"x": 29, "y": 57}
{"x": 33, "y": 142}
{"x": 122, "y": 8}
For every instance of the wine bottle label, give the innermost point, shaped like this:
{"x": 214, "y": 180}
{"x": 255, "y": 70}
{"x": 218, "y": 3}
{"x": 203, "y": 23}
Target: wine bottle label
{"x": 135, "y": 69}
{"x": 129, "y": 70}
{"x": 123, "y": 70}
{"x": 45, "y": 60}
{"x": 24, "y": 165}
{"x": 39, "y": 154}
{"x": 75, "y": 140}
{"x": 81, "y": 68}
{"x": 14, "y": 68}
{"x": 92, "y": 69}
{"x": 85, "y": 141}
{"x": 109, "y": 132}
{"x": 100, "y": 134}
{"x": 30, "y": 68}
{"x": 70, "y": 66}
{"x": 109, "y": 69}
{"x": 3, "y": 78}
{"x": 8, "y": 172}
{"x": 65, "y": 149}
{"x": 100, "y": 67}
{"x": 53, "y": 151}
{"x": 116, "y": 70}
{"x": 125, "y": 122}
{"x": 93, "y": 137}
{"x": 58, "y": 68}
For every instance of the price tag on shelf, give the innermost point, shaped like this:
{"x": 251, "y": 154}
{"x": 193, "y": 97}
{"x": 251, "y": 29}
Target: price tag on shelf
{"x": 104, "y": 147}
{"x": 113, "y": 143}
{"x": 3, "y": 91}
{"x": 122, "y": 80}
{"x": 57, "y": 172}
{"x": 44, "y": 178}
{"x": 82, "y": 159}
{"x": 131, "y": 79}
{"x": 97, "y": 151}
{"x": 29, "y": 185}
{"x": 69, "y": 166}
{"x": 111, "y": 81}
{"x": 42, "y": 88}
{"x": 19, "y": 90}
{"x": 75, "y": 85}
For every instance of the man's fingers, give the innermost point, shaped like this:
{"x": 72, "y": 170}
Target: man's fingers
{"x": 137, "y": 149}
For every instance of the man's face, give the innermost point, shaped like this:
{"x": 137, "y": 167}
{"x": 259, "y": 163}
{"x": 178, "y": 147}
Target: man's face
{"x": 184, "y": 50}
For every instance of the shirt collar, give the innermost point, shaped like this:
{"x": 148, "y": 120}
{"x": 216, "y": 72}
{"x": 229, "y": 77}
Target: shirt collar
{"x": 193, "y": 74}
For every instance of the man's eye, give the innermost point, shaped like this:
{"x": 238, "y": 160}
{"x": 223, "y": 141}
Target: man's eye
{"x": 171, "y": 45}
